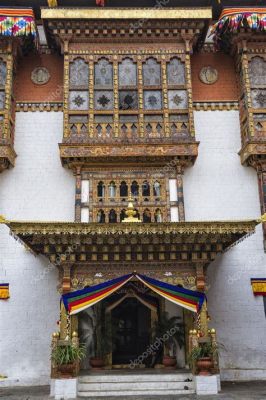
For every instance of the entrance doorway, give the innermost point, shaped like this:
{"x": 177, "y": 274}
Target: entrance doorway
{"x": 133, "y": 331}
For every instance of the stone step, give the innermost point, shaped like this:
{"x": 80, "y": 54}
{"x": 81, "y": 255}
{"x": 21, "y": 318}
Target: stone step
{"x": 128, "y": 393}
{"x": 134, "y": 385}
{"x": 131, "y": 383}
{"x": 126, "y": 377}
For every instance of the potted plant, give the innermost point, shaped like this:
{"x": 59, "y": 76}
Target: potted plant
{"x": 65, "y": 357}
{"x": 203, "y": 356}
{"x": 171, "y": 333}
{"x": 102, "y": 336}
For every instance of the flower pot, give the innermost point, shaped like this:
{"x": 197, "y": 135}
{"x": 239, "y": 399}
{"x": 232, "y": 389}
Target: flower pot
{"x": 169, "y": 362}
{"x": 96, "y": 363}
{"x": 204, "y": 365}
{"x": 66, "y": 369}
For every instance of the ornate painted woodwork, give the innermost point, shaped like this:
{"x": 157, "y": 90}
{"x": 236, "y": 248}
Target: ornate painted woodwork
{"x": 250, "y": 55}
{"x": 8, "y": 52}
{"x": 132, "y": 244}
{"x": 127, "y": 100}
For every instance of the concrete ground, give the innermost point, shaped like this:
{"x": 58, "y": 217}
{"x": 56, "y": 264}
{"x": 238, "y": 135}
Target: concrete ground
{"x": 230, "y": 391}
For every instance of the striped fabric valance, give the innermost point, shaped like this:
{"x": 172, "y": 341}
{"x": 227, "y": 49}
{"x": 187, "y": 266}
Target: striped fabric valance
{"x": 232, "y": 19}
{"x": 258, "y": 286}
{"x": 81, "y": 299}
{"x": 17, "y": 22}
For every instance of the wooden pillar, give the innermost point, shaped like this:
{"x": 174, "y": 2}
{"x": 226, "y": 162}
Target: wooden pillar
{"x": 65, "y": 325}
{"x": 78, "y": 195}
{"x": 180, "y": 193}
{"x": 203, "y": 317}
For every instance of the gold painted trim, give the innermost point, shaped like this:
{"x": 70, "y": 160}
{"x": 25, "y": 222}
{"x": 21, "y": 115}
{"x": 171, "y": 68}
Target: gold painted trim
{"x": 129, "y": 13}
{"x": 39, "y": 106}
{"x": 215, "y": 106}
{"x": 176, "y": 228}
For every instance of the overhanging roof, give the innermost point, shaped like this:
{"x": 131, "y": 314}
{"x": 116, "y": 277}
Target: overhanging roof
{"x": 177, "y": 242}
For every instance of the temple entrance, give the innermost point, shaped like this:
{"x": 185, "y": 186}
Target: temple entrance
{"x": 133, "y": 331}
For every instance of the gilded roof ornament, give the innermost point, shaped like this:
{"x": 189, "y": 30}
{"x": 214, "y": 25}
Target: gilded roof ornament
{"x": 2, "y": 219}
{"x": 262, "y": 218}
{"x": 52, "y": 3}
{"x": 130, "y": 212}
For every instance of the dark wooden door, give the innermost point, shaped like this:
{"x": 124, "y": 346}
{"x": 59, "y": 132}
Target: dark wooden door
{"x": 131, "y": 321}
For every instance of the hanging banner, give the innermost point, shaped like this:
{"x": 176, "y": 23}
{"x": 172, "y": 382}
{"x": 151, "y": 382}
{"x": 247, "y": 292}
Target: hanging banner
{"x": 4, "y": 291}
{"x": 258, "y": 286}
{"x": 232, "y": 19}
{"x": 17, "y": 22}
{"x": 81, "y": 299}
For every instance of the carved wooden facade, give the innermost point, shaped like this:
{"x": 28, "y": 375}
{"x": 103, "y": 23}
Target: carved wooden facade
{"x": 250, "y": 53}
{"x": 127, "y": 103}
{"x": 8, "y": 51}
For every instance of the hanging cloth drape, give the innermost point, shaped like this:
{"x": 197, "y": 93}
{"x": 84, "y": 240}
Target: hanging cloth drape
{"x": 17, "y": 22}
{"x": 189, "y": 299}
{"x": 81, "y": 299}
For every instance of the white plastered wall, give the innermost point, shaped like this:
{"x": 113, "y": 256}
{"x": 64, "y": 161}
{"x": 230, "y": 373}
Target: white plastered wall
{"x": 219, "y": 187}
{"x": 38, "y": 188}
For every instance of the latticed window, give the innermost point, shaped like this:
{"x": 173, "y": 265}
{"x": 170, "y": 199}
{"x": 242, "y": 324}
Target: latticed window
{"x": 257, "y": 78}
{"x": 149, "y": 197}
{"x": 128, "y": 96}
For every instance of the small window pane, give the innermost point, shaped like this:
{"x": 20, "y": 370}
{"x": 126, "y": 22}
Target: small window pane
{"x": 127, "y": 72}
{"x": 2, "y": 73}
{"x": 258, "y": 98}
{"x": 79, "y": 73}
{"x": 175, "y": 72}
{"x": 78, "y": 100}
{"x": 2, "y": 100}
{"x": 177, "y": 99}
{"x": 103, "y": 73}
{"x": 152, "y": 100}
{"x": 128, "y": 100}
{"x": 151, "y": 73}
{"x": 103, "y": 100}
{"x": 257, "y": 71}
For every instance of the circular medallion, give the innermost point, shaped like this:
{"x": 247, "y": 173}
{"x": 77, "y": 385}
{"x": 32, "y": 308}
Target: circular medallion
{"x": 208, "y": 75}
{"x": 40, "y": 75}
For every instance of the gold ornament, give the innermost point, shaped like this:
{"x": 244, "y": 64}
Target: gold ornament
{"x": 130, "y": 213}
{"x": 52, "y": 3}
{"x": 75, "y": 334}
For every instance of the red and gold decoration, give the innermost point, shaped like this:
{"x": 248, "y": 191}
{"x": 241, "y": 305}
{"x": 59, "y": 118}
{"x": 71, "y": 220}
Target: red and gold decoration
{"x": 4, "y": 291}
{"x": 258, "y": 286}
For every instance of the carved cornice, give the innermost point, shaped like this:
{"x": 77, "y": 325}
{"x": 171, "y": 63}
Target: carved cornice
{"x": 184, "y": 242}
{"x": 39, "y": 106}
{"x": 135, "y": 153}
{"x": 164, "y": 228}
{"x": 165, "y": 24}
{"x": 215, "y": 106}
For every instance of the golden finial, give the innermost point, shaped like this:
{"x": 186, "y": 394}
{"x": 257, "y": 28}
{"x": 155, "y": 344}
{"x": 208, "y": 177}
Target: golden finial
{"x": 262, "y": 218}
{"x": 3, "y": 220}
{"x": 130, "y": 212}
{"x": 52, "y": 3}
